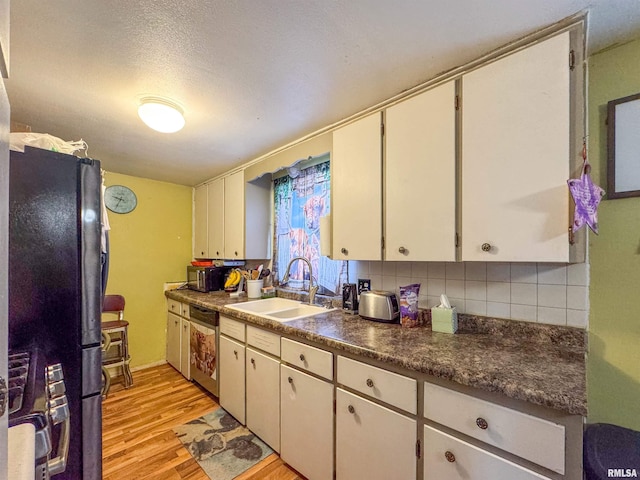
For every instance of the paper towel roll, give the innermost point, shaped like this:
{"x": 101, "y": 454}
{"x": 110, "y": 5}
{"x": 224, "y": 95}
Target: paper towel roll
{"x": 325, "y": 236}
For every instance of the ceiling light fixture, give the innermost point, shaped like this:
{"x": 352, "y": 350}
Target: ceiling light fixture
{"x": 161, "y": 114}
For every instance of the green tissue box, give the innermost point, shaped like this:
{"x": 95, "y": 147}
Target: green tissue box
{"x": 444, "y": 320}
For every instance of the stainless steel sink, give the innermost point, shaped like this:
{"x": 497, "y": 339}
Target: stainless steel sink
{"x": 279, "y": 309}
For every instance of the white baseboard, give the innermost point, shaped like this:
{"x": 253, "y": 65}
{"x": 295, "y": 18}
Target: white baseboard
{"x": 149, "y": 365}
{"x": 142, "y": 367}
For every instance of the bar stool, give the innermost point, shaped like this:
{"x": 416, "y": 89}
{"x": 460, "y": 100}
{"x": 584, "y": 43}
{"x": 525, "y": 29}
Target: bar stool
{"x": 115, "y": 345}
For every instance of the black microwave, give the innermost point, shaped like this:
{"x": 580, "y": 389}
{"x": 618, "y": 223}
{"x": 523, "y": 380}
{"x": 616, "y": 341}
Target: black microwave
{"x": 206, "y": 279}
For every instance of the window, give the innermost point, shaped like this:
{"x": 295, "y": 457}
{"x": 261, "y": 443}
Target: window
{"x": 301, "y": 198}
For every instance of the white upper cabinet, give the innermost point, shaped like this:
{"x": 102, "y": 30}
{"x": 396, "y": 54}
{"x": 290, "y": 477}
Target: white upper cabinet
{"x": 234, "y": 215}
{"x": 516, "y": 156}
{"x": 258, "y": 201}
{"x": 215, "y": 215}
{"x": 232, "y": 218}
{"x": 356, "y": 190}
{"x": 420, "y": 177}
{"x": 200, "y": 226}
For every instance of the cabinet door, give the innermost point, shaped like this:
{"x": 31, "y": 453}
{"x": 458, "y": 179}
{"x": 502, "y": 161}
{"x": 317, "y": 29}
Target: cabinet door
{"x": 173, "y": 340}
{"x": 185, "y": 336}
{"x": 200, "y": 241}
{"x": 448, "y": 457}
{"x": 234, "y": 215}
{"x": 372, "y": 441}
{"x": 306, "y": 438}
{"x": 515, "y": 156}
{"x": 420, "y": 177}
{"x": 356, "y": 190}
{"x": 232, "y": 386}
{"x": 263, "y": 397}
{"x": 215, "y": 218}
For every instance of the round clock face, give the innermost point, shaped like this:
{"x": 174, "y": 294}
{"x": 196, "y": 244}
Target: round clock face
{"x": 120, "y": 199}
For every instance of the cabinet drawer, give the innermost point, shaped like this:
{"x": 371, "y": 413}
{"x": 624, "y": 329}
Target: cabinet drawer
{"x": 174, "y": 306}
{"x": 448, "y": 457}
{"x": 267, "y": 341}
{"x": 529, "y": 437}
{"x": 308, "y": 358}
{"x": 232, "y": 328}
{"x": 388, "y": 387}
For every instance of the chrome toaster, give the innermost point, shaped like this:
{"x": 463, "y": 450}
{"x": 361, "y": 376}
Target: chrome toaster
{"x": 379, "y": 306}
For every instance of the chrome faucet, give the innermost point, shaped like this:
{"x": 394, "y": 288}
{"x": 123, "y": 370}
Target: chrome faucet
{"x": 312, "y": 288}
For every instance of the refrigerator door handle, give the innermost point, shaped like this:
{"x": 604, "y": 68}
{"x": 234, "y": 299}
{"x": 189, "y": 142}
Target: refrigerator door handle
{"x": 59, "y": 463}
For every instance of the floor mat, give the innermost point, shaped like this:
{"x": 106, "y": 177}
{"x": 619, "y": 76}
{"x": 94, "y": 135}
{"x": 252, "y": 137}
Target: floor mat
{"x": 221, "y": 445}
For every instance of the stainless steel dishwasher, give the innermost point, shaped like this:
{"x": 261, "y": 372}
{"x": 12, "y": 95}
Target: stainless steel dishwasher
{"x": 203, "y": 347}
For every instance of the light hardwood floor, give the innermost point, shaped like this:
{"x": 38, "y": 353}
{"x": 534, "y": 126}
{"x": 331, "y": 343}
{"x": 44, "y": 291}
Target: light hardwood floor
{"x": 137, "y": 440}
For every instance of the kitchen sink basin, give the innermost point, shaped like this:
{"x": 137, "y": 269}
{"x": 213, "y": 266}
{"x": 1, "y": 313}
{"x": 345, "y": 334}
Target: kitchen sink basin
{"x": 279, "y": 309}
{"x": 298, "y": 312}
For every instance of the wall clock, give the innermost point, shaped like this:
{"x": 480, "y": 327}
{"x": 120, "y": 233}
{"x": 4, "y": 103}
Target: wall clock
{"x": 120, "y": 199}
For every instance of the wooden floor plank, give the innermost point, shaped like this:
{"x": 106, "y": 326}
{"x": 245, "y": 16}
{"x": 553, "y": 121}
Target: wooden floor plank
{"x": 138, "y": 442}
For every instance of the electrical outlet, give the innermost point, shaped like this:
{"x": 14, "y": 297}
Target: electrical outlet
{"x": 363, "y": 284}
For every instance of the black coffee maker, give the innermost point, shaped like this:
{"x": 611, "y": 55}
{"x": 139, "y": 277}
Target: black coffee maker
{"x": 350, "y": 298}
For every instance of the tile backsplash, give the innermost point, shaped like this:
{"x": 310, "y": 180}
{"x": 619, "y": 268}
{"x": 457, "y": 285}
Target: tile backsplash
{"x": 553, "y": 293}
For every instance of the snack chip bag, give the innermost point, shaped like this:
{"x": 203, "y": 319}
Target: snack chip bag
{"x": 409, "y": 315}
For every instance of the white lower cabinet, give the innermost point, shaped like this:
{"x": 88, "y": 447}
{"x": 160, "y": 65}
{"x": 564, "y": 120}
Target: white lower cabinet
{"x": 178, "y": 332}
{"x": 173, "y": 340}
{"x": 284, "y": 391}
{"x": 447, "y": 457}
{"x": 372, "y": 441}
{"x": 532, "y": 438}
{"x": 232, "y": 378}
{"x": 306, "y": 438}
{"x": 263, "y": 397}
{"x": 185, "y": 338}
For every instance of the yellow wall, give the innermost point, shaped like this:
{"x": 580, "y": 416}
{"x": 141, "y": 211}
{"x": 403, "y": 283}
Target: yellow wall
{"x": 613, "y": 367}
{"x": 149, "y": 246}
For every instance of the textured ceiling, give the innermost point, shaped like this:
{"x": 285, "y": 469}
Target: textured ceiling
{"x": 253, "y": 75}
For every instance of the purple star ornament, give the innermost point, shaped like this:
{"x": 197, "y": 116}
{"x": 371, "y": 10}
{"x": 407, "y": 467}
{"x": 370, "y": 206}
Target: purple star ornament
{"x": 586, "y": 196}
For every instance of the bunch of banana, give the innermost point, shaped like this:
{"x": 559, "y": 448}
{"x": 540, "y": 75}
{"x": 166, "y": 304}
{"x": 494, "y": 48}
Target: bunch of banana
{"x": 233, "y": 279}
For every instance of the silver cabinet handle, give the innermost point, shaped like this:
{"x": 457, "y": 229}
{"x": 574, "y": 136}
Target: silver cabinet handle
{"x": 235, "y": 352}
{"x": 403, "y": 251}
{"x": 486, "y": 247}
{"x": 302, "y": 359}
{"x": 253, "y": 362}
{"x": 344, "y": 251}
{"x": 369, "y": 383}
{"x": 449, "y": 456}
{"x": 351, "y": 409}
{"x": 290, "y": 380}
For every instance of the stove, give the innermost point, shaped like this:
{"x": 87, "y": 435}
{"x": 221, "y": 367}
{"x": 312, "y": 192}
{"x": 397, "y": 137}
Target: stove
{"x": 37, "y": 396}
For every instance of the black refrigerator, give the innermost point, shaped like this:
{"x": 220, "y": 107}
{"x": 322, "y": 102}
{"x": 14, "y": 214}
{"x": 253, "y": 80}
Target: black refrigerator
{"x": 56, "y": 286}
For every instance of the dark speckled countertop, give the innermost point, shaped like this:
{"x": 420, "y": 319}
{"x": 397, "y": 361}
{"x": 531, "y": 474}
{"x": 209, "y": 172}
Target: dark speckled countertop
{"x": 541, "y": 364}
